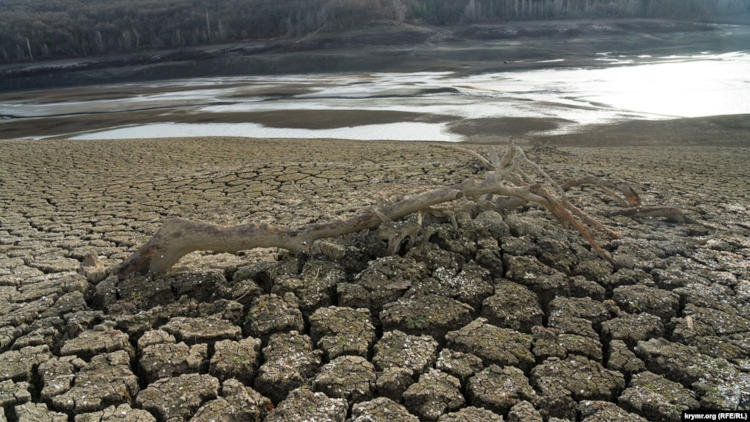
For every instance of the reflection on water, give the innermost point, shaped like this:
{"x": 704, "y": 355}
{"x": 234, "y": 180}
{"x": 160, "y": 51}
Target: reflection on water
{"x": 678, "y": 86}
{"x": 627, "y": 87}
{"x": 390, "y": 131}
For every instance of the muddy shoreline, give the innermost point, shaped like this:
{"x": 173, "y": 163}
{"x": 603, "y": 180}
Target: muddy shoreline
{"x": 412, "y": 335}
{"x": 729, "y": 130}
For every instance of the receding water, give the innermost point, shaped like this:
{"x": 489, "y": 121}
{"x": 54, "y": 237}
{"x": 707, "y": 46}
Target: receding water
{"x": 389, "y": 131}
{"x": 622, "y": 87}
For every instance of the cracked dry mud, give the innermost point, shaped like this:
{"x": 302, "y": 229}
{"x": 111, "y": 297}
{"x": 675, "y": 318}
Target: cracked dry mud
{"x": 483, "y": 317}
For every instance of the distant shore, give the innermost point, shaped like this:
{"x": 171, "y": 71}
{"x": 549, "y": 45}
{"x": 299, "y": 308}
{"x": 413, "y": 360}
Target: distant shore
{"x": 386, "y": 48}
{"x": 729, "y": 130}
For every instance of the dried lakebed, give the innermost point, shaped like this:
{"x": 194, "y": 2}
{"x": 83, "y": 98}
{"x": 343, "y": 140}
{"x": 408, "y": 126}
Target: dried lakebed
{"x": 495, "y": 317}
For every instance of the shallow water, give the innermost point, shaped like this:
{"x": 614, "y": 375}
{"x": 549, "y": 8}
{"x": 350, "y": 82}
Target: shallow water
{"x": 621, "y": 87}
{"x": 390, "y": 131}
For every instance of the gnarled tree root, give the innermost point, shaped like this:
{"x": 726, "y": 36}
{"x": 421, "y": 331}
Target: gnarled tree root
{"x": 506, "y": 185}
{"x": 178, "y": 237}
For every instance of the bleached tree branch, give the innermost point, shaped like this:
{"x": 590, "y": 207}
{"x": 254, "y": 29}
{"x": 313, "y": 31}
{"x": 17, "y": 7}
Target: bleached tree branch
{"x": 506, "y": 185}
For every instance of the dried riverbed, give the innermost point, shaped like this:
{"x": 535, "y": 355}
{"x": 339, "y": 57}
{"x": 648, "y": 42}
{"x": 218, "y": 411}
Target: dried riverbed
{"x": 497, "y": 315}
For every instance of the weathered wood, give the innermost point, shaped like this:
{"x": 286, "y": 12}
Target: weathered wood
{"x": 177, "y": 237}
{"x": 504, "y": 186}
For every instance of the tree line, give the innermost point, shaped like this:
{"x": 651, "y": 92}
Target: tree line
{"x": 46, "y": 29}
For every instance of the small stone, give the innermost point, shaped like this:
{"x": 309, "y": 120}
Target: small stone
{"x": 499, "y": 389}
{"x": 67, "y": 303}
{"x": 632, "y": 328}
{"x": 272, "y": 313}
{"x": 38, "y": 412}
{"x": 346, "y": 377}
{"x": 431, "y": 314}
{"x": 513, "y": 306}
{"x": 169, "y": 359}
{"x": 235, "y": 359}
{"x": 524, "y": 412}
{"x": 545, "y": 281}
{"x": 582, "y": 378}
{"x": 519, "y": 246}
{"x": 604, "y": 411}
{"x": 493, "y": 344}
{"x": 241, "y": 291}
{"x": 290, "y": 361}
{"x": 178, "y": 398}
{"x": 340, "y": 330}
{"x": 57, "y": 375}
{"x": 19, "y": 364}
{"x": 626, "y": 277}
{"x": 593, "y": 269}
{"x": 623, "y": 359}
{"x": 718, "y": 383}
{"x": 201, "y": 285}
{"x": 229, "y": 310}
{"x": 152, "y": 337}
{"x": 304, "y": 405}
{"x": 549, "y": 342}
{"x": 522, "y": 225}
{"x": 121, "y": 413}
{"x": 201, "y": 330}
{"x": 381, "y": 409}
{"x": 398, "y": 349}
{"x": 491, "y": 223}
{"x": 488, "y": 256}
{"x": 56, "y": 264}
{"x": 734, "y": 347}
{"x": 138, "y": 290}
{"x": 435, "y": 393}
{"x": 104, "y": 381}
{"x": 42, "y": 336}
{"x": 13, "y": 393}
{"x": 237, "y": 403}
{"x": 264, "y": 273}
{"x": 472, "y": 285}
{"x": 583, "y": 287}
{"x": 566, "y": 324}
{"x": 436, "y": 259}
{"x": 640, "y": 298}
{"x": 556, "y": 253}
{"x": 471, "y": 414}
{"x": 315, "y": 286}
{"x": 383, "y": 281}
{"x": 393, "y": 381}
{"x": 579, "y": 307}
{"x": 459, "y": 364}
{"x": 657, "y": 398}
{"x": 717, "y": 322}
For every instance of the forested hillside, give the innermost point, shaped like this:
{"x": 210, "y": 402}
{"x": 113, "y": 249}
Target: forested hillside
{"x": 44, "y": 29}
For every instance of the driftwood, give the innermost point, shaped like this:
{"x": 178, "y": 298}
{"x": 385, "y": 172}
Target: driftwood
{"x": 511, "y": 181}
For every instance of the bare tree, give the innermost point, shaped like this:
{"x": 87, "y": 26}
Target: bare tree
{"x": 99, "y": 41}
{"x": 28, "y": 47}
{"x": 208, "y": 26}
